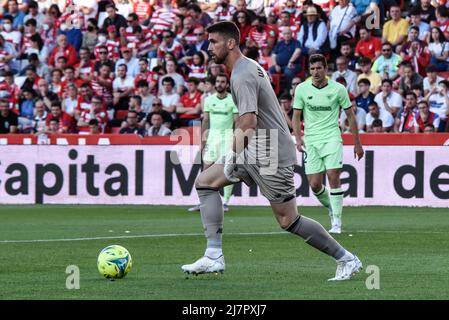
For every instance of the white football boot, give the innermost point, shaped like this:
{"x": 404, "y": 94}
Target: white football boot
{"x": 205, "y": 265}
{"x": 194, "y": 208}
{"x": 346, "y": 269}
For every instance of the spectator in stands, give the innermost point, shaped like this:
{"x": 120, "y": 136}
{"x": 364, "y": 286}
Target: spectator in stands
{"x": 286, "y": 57}
{"x": 364, "y": 95}
{"x": 367, "y": 73}
{"x": 347, "y": 52}
{"x": 241, "y": 6}
{"x": 348, "y": 75}
{"x": 7, "y": 55}
{"x": 243, "y": 22}
{"x": 132, "y": 125}
{"x": 376, "y": 113}
{"x": 131, "y": 62}
{"x": 103, "y": 59}
{"x": 71, "y": 28}
{"x": 169, "y": 44}
{"x": 90, "y": 38}
{"x": 395, "y": 30}
{"x": 55, "y": 85}
{"x": 224, "y": 11}
{"x": 199, "y": 43}
{"x": 388, "y": 99}
{"x": 42, "y": 69}
{"x": 135, "y": 103}
{"x": 94, "y": 127}
{"x": 189, "y": 107}
{"x": 169, "y": 97}
{"x": 185, "y": 34}
{"x": 26, "y": 111}
{"x": 425, "y": 117}
{"x": 419, "y": 57}
{"x": 17, "y": 15}
{"x": 432, "y": 79}
{"x": 11, "y": 34}
{"x": 157, "y": 108}
{"x": 427, "y": 11}
{"x": 97, "y": 111}
{"x": 313, "y": 34}
{"x": 122, "y": 88}
{"x": 439, "y": 49}
{"x": 405, "y": 121}
{"x": 40, "y": 116}
{"x": 377, "y": 126}
{"x": 285, "y": 100}
{"x": 360, "y": 116}
{"x": 9, "y": 89}
{"x": 156, "y": 128}
{"x": 31, "y": 78}
{"x": 438, "y": 100}
{"x": 342, "y": 26}
{"x": 387, "y": 64}
{"x": 409, "y": 78}
{"x": 200, "y": 17}
{"x": 416, "y": 21}
{"x": 262, "y": 36}
{"x": 442, "y": 20}
{"x": 32, "y": 42}
{"x": 84, "y": 100}
{"x": 61, "y": 63}
{"x": 143, "y": 91}
{"x": 286, "y": 22}
{"x": 114, "y": 19}
{"x": 368, "y": 46}
{"x": 170, "y": 67}
{"x": 85, "y": 68}
{"x": 45, "y": 94}
{"x": 295, "y": 82}
{"x": 8, "y": 119}
{"x": 33, "y": 13}
{"x": 70, "y": 102}
{"x": 53, "y": 126}
{"x": 66, "y": 123}
{"x": 322, "y": 15}
{"x": 63, "y": 49}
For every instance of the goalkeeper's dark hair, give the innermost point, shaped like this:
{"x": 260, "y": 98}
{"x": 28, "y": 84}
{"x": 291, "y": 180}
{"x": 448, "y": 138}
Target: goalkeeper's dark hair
{"x": 227, "y": 29}
{"x": 317, "y": 57}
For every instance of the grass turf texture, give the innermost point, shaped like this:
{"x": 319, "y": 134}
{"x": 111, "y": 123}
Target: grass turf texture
{"x": 409, "y": 245}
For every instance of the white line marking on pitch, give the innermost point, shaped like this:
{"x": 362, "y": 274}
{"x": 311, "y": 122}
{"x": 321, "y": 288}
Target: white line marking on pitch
{"x": 139, "y": 236}
{"x": 201, "y": 234}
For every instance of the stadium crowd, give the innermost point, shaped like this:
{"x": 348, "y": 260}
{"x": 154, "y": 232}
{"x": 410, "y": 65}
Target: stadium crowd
{"x": 142, "y": 66}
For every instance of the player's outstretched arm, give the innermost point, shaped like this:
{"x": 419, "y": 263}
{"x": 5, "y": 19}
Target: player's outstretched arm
{"x": 358, "y": 149}
{"x": 296, "y": 123}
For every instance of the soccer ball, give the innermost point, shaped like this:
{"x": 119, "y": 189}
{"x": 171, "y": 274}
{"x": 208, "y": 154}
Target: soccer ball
{"x": 114, "y": 262}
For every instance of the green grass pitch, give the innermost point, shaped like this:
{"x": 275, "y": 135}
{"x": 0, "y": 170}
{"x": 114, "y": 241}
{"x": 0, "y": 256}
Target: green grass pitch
{"x": 408, "y": 245}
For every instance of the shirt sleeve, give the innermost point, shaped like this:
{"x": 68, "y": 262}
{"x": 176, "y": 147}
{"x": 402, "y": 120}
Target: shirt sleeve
{"x": 343, "y": 98}
{"x": 298, "y": 102}
{"x": 244, "y": 88}
{"x": 206, "y": 105}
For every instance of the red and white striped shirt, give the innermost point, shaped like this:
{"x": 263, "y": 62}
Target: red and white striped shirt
{"x": 143, "y": 10}
{"x": 196, "y": 71}
{"x": 261, "y": 38}
{"x": 224, "y": 14}
{"x": 163, "y": 19}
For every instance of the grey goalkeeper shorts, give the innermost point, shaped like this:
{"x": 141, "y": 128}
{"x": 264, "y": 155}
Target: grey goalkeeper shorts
{"x": 277, "y": 188}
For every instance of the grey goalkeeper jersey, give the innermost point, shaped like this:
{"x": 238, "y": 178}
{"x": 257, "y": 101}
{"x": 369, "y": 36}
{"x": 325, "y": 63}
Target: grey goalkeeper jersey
{"x": 251, "y": 91}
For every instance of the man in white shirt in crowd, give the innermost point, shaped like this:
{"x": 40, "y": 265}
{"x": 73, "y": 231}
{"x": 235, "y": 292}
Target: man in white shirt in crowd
{"x": 376, "y": 113}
